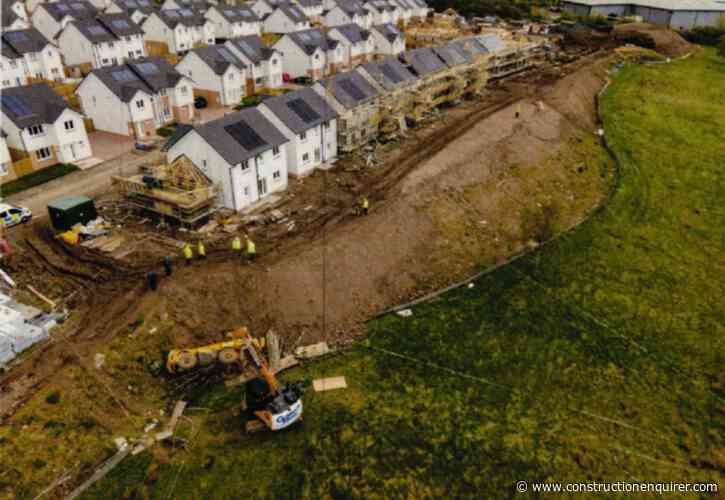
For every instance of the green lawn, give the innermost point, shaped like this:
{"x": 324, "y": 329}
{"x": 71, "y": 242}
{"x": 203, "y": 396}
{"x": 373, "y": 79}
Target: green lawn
{"x": 599, "y": 357}
{"x": 37, "y": 178}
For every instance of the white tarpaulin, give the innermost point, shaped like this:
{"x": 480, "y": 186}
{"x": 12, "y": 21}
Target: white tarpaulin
{"x": 21, "y": 326}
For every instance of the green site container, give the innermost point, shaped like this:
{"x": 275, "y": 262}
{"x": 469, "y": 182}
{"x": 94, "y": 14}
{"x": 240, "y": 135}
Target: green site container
{"x": 67, "y": 212}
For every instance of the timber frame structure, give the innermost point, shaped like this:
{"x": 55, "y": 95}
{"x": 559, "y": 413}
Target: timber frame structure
{"x": 177, "y": 191}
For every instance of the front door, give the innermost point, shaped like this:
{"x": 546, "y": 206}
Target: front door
{"x": 262, "y": 186}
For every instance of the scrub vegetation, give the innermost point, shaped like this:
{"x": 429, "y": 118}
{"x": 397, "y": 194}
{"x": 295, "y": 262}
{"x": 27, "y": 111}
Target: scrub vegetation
{"x": 598, "y": 357}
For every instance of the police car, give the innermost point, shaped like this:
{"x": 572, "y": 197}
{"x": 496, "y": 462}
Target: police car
{"x": 12, "y": 216}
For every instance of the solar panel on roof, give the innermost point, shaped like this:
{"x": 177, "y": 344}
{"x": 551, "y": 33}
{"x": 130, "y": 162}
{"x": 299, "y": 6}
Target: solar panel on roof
{"x": 172, "y": 14}
{"x": 226, "y": 55}
{"x": 244, "y": 46}
{"x": 144, "y": 3}
{"x": 351, "y": 89}
{"x": 390, "y": 73}
{"x": 16, "y": 106}
{"x": 16, "y": 36}
{"x": 245, "y": 135}
{"x": 303, "y": 110}
{"x": 62, "y": 7}
{"x": 315, "y": 35}
{"x": 78, "y": 6}
{"x": 305, "y": 37}
{"x": 123, "y": 76}
{"x": 245, "y": 13}
{"x": 96, "y": 30}
{"x": 186, "y": 13}
{"x": 230, "y": 13}
{"x": 147, "y": 68}
{"x": 120, "y": 24}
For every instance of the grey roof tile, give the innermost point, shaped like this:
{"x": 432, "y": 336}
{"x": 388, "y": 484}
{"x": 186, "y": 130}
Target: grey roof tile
{"x": 38, "y": 104}
{"x": 353, "y": 33}
{"x": 423, "y": 61}
{"x": 233, "y": 152}
{"x": 252, "y": 47}
{"x": 280, "y": 107}
{"x": 136, "y": 79}
{"x": 350, "y": 89}
{"x": 390, "y": 73}
{"x": 24, "y": 41}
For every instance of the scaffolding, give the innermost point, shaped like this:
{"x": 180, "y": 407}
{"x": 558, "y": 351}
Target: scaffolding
{"x": 358, "y": 126}
{"x": 177, "y": 191}
{"x": 435, "y": 30}
{"x": 511, "y": 60}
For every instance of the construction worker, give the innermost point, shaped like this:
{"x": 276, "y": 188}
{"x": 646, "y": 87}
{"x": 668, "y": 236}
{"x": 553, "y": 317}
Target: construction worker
{"x": 188, "y": 254}
{"x": 251, "y": 249}
{"x": 168, "y": 266}
{"x": 201, "y": 250}
{"x": 237, "y": 245}
{"x": 518, "y": 110}
{"x": 365, "y": 206}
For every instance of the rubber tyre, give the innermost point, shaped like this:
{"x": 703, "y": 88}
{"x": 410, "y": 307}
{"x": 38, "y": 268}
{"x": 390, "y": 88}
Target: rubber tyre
{"x": 228, "y": 356}
{"x": 187, "y": 360}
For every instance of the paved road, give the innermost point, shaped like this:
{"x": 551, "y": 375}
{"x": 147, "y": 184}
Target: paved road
{"x": 89, "y": 182}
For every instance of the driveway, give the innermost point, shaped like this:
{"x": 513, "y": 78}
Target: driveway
{"x": 91, "y": 182}
{"x": 212, "y": 113}
{"x": 107, "y": 146}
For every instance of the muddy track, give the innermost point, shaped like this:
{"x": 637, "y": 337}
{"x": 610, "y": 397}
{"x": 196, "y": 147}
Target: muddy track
{"x": 110, "y": 293}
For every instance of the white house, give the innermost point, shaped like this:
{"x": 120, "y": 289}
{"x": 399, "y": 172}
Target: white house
{"x": 14, "y": 16}
{"x": 310, "y": 125}
{"x": 107, "y": 40}
{"x": 264, "y": 7}
{"x": 231, "y": 22}
{"x": 264, "y": 65}
{"x": 346, "y": 12}
{"x": 136, "y": 98}
{"x": 312, "y": 9}
{"x": 137, "y": 10}
{"x": 357, "y": 104}
{"x": 27, "y": 53}
{"x": 406, "y": 8}
{"x": 51, "y": 18}
{"x": 199, "y": 5}
{"x": 180, "y": 30}
{"x": 5, "y": 159}
{"x": 218, "y": 75}
{"x": 311, "y": 53}
{"x": 242, "y": 152}
{"x": 421, "y": 9}
{"x": 40, "y": 125}
{"x": 387, "y": 40}
{"x": 382, "y": 11}
{"x": 357, "y": 43}
{"x": 286, "y": 18}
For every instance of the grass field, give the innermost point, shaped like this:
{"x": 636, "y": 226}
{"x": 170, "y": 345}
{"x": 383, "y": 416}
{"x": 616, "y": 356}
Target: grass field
{"x": 599, "y": 357}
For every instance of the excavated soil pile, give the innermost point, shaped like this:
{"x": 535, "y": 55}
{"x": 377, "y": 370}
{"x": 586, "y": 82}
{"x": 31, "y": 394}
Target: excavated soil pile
{"x": 667, "y": 42}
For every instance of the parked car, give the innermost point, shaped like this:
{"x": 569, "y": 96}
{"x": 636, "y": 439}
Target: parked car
{"x": 200, "y": 102}
{"x": 302, "y": 80}
{"x": 12, "y": 216}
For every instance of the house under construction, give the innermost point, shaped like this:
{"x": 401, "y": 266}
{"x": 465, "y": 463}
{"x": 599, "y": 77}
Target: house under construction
{"x": 434, "y": 30}
{"x": 438, "y": 83}
{"x": 178, "y": 191}
{"x": 397, "y": 87}
{"x": 506, "y": 59}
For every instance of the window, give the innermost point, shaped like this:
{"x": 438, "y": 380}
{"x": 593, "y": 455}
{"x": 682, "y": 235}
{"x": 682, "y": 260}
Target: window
{"x": 50, "y": 53}
{"x": 245, "y": 164}
{"x": 317, "y": 57}
{"x": 34, "y": 130}
{"x": 275, "y": 150}
{"x": 203, "y": 162}
{"x": 43, "y": 153}
{"x": 33, "y": 56}
{"x": 138, "y": 52}
{"x": 246, "y": 190}
{"x": 162, "y": 91}
{"x": 183, "y": 90}
{"x": 276, "y": 175}
{"x": 104, "y": 61}
{"x": 69, "y": 125}
{"x": 128, "y": 38}
{"x": 303, "y": 136}
{"x": 139, "y": 104}
{"x": 6, "y": 83}
{"x": 110, "y": 45}
{"x": 55, "y": 71}
{"x": 306, "y": 157}
{"x": 3, "y": 169}
{"x": 258, "y": 159}
{"x": 231, "y": 76}
{"x": 13, "y": 63}
{"x": 325, "y": 125}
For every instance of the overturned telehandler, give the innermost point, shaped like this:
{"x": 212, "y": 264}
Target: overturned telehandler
{"x": 276, "y": 406}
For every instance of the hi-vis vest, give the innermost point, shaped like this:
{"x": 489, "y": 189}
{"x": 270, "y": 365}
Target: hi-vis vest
{"x": 187, "y": 251}
{"x": 200, "y": 248}
{"x": 251, "y": 247}
{"x": 236, "y": 244}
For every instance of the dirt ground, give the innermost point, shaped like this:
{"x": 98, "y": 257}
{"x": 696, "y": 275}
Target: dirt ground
{"x": 448, "y": 199}
{"x": 667, "y": 42}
